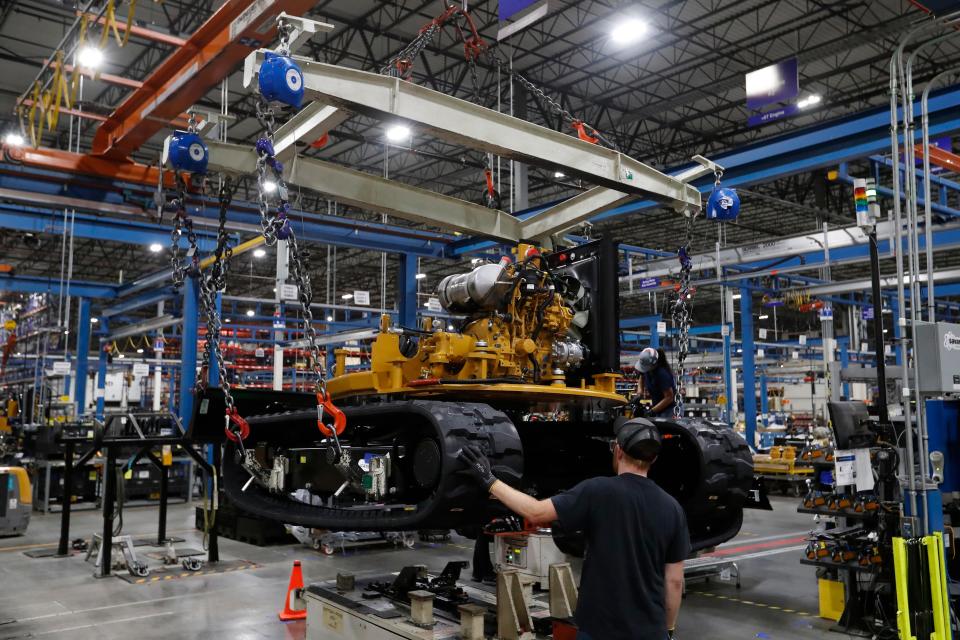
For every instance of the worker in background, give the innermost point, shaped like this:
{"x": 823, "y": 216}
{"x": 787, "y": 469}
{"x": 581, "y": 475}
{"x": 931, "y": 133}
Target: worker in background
{"x": 657, "y": 382}
{"x": 636, "y": 534}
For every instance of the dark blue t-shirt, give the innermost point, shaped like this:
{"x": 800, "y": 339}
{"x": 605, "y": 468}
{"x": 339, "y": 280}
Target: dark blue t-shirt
{"x": 633, "y": 529}
{"x": 656, "y": 383}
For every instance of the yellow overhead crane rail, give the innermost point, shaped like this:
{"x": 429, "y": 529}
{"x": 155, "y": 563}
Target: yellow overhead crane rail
{"x": 59, "y": 93}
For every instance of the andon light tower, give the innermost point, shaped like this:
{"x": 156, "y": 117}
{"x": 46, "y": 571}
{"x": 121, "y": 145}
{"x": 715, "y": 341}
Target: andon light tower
{"x": 868, "y": 212}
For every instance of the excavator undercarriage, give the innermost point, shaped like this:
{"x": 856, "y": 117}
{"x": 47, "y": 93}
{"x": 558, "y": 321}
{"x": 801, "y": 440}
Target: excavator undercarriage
{"x": 527, "y": 375}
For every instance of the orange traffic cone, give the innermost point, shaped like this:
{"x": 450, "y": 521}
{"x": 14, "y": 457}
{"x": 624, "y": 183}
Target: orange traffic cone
{"x": 294, "y": 607}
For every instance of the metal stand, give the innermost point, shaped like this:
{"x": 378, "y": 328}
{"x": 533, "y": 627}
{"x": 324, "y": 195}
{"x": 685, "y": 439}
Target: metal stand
{"x": 109, "y": 495}
{"x": 67, "y": 499}
{"x": 707, "y": 567}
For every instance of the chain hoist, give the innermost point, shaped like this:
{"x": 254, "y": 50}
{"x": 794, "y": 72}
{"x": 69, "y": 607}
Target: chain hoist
{"x": 275, "y": 225}
{"x": 682, "y": 311}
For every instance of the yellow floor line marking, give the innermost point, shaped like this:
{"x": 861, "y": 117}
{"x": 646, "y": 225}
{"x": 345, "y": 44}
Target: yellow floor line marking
{"x": 751, "y": 603}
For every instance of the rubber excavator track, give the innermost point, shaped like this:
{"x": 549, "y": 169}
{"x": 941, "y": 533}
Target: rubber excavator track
{"x": 705, "y": 466}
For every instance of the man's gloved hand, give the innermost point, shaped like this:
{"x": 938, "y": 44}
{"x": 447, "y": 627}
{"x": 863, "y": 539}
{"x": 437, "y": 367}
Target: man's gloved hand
{"x": 670, "y": 634}
{"x": 478, "y": 467}
{"x": 639, "y": 407}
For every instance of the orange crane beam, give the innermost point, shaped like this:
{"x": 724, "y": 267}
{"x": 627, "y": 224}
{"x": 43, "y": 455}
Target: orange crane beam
{"x": 87, "y": 115}
{"x": 209, "y": 55}
{"x": 146, "y": 34}
{"x": 940, "y": 157}
{"x": 82, "y": 163}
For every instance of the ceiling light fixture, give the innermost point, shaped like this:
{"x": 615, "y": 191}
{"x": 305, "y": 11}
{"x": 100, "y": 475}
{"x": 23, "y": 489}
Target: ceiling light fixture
{"x": 13, "y": 139}
{"x": 140, "y": 350}
{"x": 420, "y": 276}
{"x": 269, "y": 186}
{"x": 90, "y": 57}
{"x": 809, "y": 101}
{"x": 628, "y": 31}
{"x": 762, "y": 317}
{"x": 259, "y": 253}
{"x": 347, "y": 296}
{"x": 736, "y": 296}
{"x": 156, "y": 247}
{"x": 251, "y": 313}
{"x": 558, "y": 174}
{"x": 398, "y": 133}
{"x": 329, "y": 318}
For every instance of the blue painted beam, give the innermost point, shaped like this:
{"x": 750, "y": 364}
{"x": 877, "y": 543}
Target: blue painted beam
{"x": 36, "y": 284}
{"x": 143, "y": 300}
{"x": 640, "y": 322}
{"x": 311, "y": 226}
{"x": 32, "y": 219}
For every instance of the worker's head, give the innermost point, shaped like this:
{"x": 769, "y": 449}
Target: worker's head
{"x": 651, "y": 359}
{"x": 637, "y": 444}
{"x": 648, "y": 360}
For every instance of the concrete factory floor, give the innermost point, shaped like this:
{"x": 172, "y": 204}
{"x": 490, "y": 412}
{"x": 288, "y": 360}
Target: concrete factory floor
{"x": 59, "y": 598}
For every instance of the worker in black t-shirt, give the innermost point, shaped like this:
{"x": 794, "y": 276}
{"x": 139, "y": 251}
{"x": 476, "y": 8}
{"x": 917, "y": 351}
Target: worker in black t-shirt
{"x": 657, "y": 381}
{"x": 636, "y": 535}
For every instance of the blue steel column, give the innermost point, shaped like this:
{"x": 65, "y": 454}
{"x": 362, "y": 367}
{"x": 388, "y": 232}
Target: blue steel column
{"x": 728, "y": 373}
{"x": 83, "y": 359}
{"x": 188, "y": 348}
{"x": 749, "y": 381}
{"x": 407, "y": 291}
{"x": 101, "y": 371}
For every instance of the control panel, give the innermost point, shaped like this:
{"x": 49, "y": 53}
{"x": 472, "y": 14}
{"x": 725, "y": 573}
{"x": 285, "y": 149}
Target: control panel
{"x": 513, "y": 552}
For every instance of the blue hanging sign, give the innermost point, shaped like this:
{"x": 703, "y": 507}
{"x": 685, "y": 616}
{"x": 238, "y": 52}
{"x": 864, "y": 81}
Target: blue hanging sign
{"x": 775, "y": 83}
{"x": 758, "y": 119}
{"x": 507, "y": 9}
{"x": 867, "y": 313}
{"x": 650, "y": 283}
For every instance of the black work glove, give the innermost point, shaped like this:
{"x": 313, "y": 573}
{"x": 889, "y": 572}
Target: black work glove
{"x": 478, "y": 467}
{"x": 670, "y": 634}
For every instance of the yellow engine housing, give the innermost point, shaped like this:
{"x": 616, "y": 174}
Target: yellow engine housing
{"x": 509, "y": 354}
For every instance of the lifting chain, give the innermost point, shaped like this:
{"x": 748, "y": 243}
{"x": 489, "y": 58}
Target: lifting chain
{"x": 401, "y": 66}
{"x": 275, "y": 225}
{"x": 182, "y": 224}
{"x": 210, "y": 284}
{"x": 682, "y": 312}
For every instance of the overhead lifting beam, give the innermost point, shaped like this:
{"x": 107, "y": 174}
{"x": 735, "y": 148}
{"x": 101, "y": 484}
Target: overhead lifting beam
{"x": 460, "y": 122}
{"x": 376, "y": 194}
